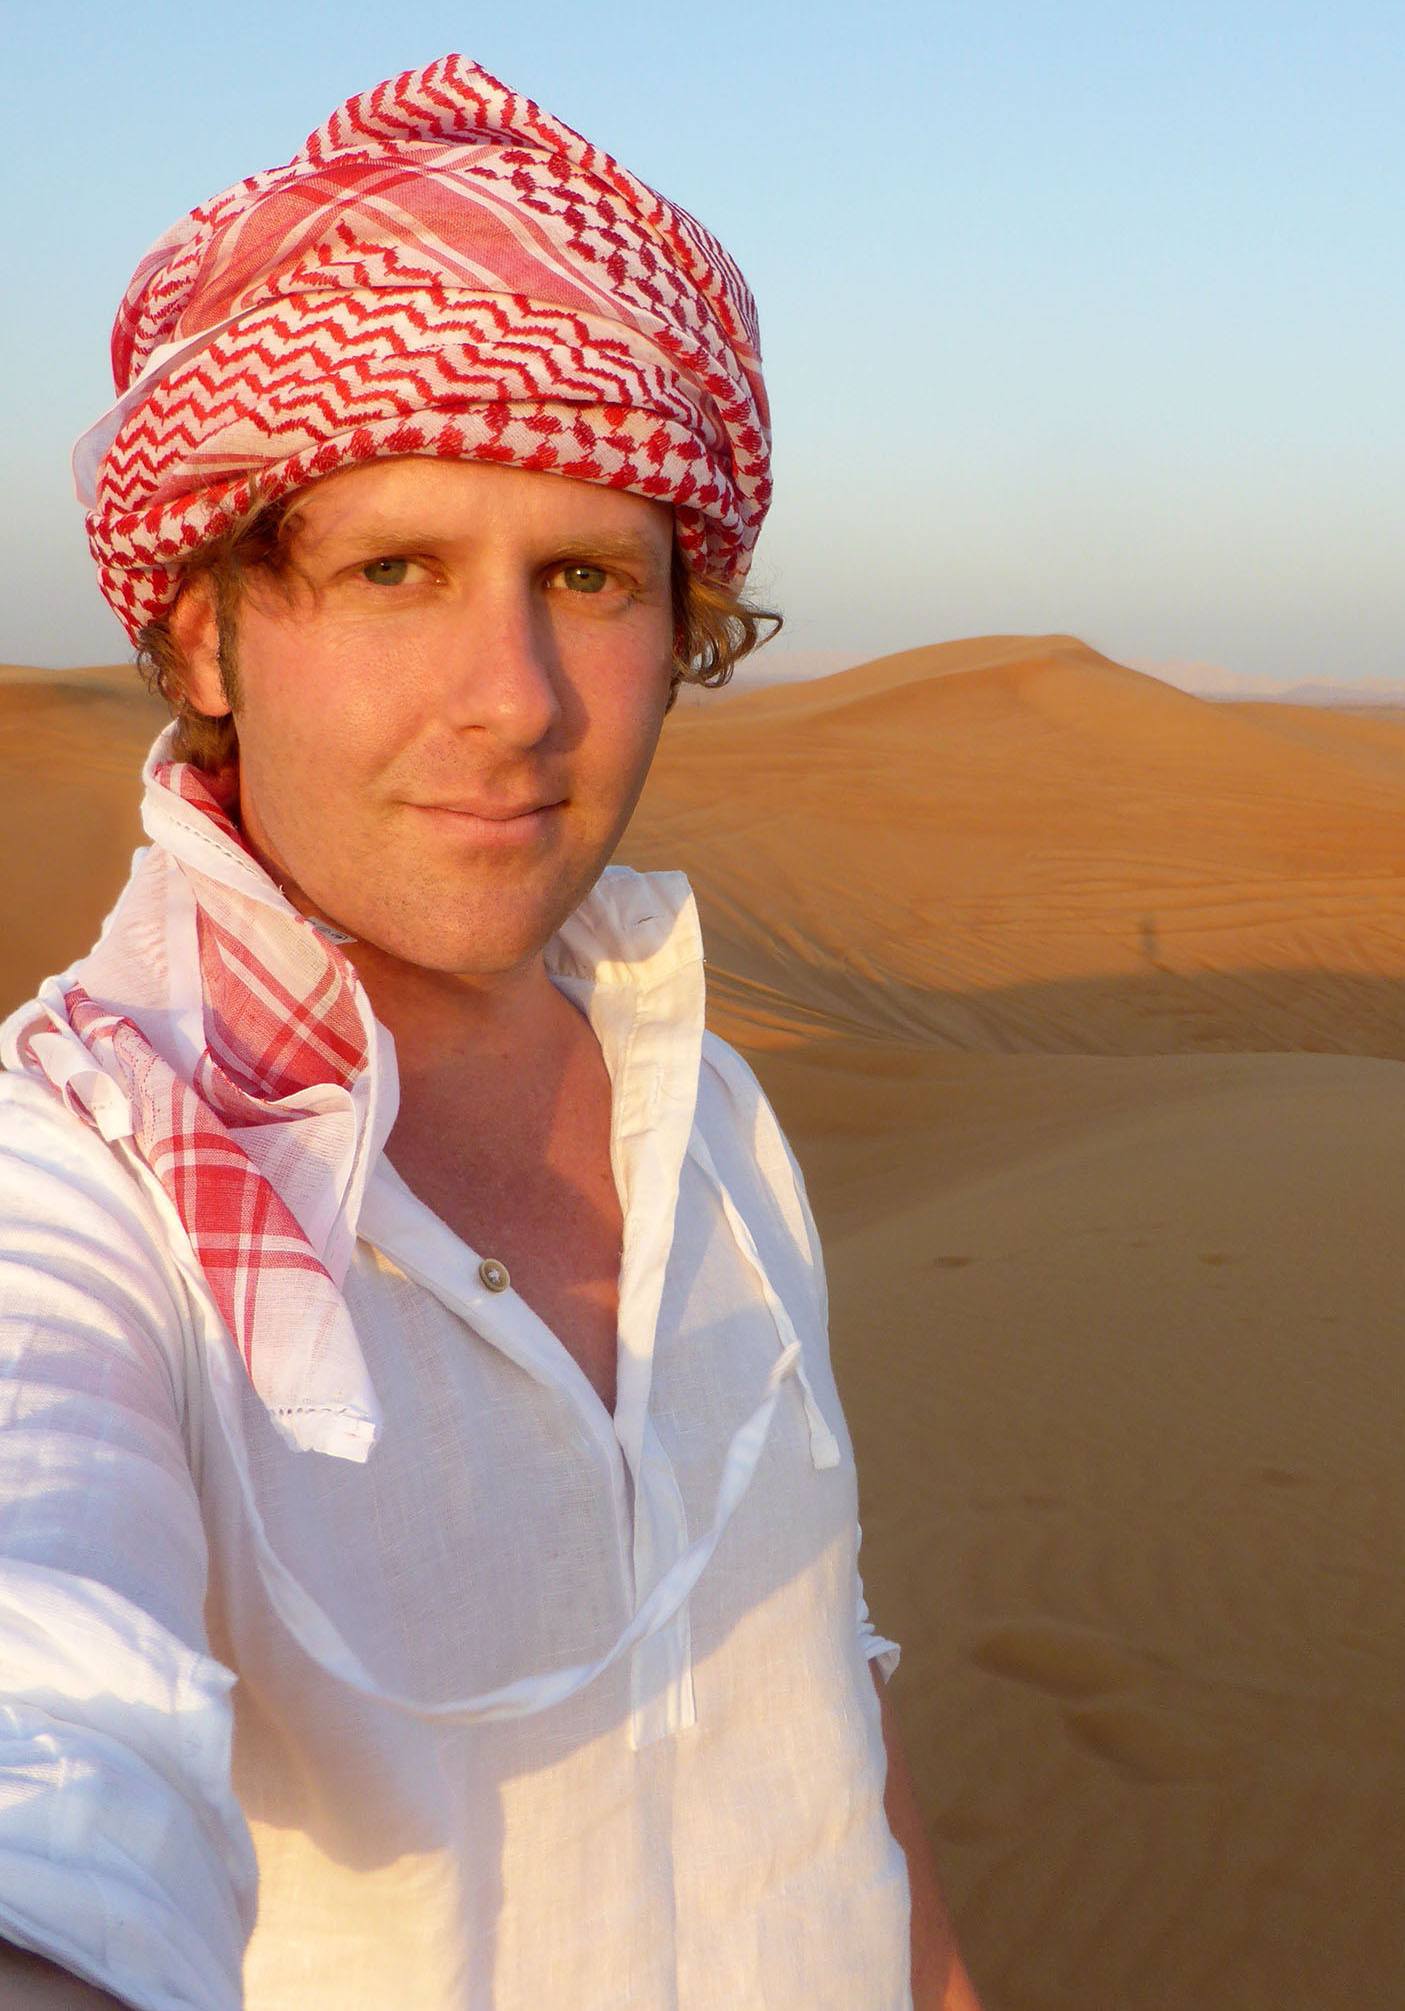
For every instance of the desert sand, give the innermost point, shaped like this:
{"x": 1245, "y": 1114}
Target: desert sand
{"x": 1083, "y": 1004}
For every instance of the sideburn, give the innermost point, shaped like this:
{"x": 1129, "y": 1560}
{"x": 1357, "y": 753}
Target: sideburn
{"x": 227, "y": 636}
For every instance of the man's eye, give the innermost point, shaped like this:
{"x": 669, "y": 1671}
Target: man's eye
{"x": 585, "y": 579}
{"x": 386, "y": 572}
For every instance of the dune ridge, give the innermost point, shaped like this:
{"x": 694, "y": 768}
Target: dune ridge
{"x": 1034, "y": 849}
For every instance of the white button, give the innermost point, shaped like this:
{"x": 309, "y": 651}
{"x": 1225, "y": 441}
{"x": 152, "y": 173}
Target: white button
{"x": 494, "y": 1275}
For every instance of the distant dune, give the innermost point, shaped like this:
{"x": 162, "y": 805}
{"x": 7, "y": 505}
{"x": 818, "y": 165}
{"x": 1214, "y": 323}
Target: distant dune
{"x": 1081, "y": 1001}
{"x": 1014, "y": 844}
{"x": 1213, "y": 680}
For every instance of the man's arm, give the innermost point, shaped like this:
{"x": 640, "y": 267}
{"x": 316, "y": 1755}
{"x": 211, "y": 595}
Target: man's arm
{"x": 126, "y": 1857}
{"x": 939, "y": 1979}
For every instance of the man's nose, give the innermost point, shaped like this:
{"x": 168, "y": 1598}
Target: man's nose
{"x": 505, "y": 673}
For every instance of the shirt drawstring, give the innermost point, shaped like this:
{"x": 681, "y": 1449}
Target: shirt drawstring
{"x": 824, "y": 1447}
{"x": 318, "y": 1635}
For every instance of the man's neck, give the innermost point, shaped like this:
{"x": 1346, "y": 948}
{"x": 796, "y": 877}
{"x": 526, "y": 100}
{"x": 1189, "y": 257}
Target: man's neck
{"x": 455, "y": 1034}
{"x": 466, "y": 1037}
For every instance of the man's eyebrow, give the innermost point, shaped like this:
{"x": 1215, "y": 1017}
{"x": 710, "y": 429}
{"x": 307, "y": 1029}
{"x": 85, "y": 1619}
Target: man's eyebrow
{"x": 401, "y": 535}
{"x": 608, "y": 545}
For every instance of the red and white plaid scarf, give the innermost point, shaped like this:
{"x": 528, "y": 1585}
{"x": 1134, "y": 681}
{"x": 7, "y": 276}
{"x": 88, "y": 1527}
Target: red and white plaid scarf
{"x": 260, "y": 1146}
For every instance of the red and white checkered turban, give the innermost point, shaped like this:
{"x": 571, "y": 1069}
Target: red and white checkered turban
{"x": 442, "y": 269}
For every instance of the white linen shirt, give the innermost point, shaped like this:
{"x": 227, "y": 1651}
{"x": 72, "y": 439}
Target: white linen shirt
{"x": 232, "y": 1770}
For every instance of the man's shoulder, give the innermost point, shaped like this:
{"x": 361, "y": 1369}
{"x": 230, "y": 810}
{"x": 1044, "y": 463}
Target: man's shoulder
{"x": 41, "y": 1136}
{"x": 35, "y": 1120}
{"x": 729, "y": 1068}
{"x": 55, "y": 1166}
{"x": 730, "y": 1088}
{"x": 77, "y": 1224}
{"x": 730, "y": 1093}
{"x": 747, "y": 1140}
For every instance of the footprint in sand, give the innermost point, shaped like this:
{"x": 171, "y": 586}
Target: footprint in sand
{"x": 1146, "y": 1741}
{"x": 1142, "y": 1739}
{"x": 1067, "y": 1661}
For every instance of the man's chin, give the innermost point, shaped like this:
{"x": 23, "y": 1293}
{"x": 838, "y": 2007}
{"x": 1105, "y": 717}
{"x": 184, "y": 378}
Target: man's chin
{"x": 482, "y": 933}
{"x": 485, "y": 948}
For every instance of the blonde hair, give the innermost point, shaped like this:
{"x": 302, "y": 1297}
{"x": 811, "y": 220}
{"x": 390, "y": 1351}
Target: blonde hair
{"x": 713, "y": 629}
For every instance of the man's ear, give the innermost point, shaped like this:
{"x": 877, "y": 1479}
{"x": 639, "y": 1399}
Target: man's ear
{"x": 195, "y": 632}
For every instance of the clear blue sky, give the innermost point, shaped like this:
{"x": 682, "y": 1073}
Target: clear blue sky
{"x": 1080, "y": 317}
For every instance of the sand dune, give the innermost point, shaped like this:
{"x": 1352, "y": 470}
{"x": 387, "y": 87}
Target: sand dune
{"x": 1014, "y": 844}
{"x": 1081, "y": 1001}
{"x": 71, "y": 748}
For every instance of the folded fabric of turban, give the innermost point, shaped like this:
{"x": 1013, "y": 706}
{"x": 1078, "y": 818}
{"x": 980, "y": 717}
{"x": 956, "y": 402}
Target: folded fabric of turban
{"x": 442, "y": 269}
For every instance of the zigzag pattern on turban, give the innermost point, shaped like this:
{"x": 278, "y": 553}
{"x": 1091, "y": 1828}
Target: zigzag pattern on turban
{"x": 442, "y": 269}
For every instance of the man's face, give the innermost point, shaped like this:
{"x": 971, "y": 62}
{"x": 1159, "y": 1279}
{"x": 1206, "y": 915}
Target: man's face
{"x": 459, "y": 641}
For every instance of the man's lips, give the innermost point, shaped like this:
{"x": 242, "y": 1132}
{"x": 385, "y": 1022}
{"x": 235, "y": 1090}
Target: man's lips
{"x": 496, "y": 813}
{"x": 492, "y": 823}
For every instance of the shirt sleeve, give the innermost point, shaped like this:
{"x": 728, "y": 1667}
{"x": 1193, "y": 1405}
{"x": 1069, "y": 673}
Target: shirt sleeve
{"x": 876, "y": 1647}
{"x": 124, "y": 1855}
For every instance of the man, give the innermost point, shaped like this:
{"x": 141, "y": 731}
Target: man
{"x": 428, "y": 1542}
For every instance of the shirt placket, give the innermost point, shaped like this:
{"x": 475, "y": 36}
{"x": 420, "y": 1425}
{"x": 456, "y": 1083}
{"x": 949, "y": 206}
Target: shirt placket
{"x": 649, "y": 1024}
{"x": 651, "y": 1037}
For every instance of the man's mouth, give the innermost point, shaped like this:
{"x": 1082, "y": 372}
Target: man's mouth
{"x": 492, "y": 824}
